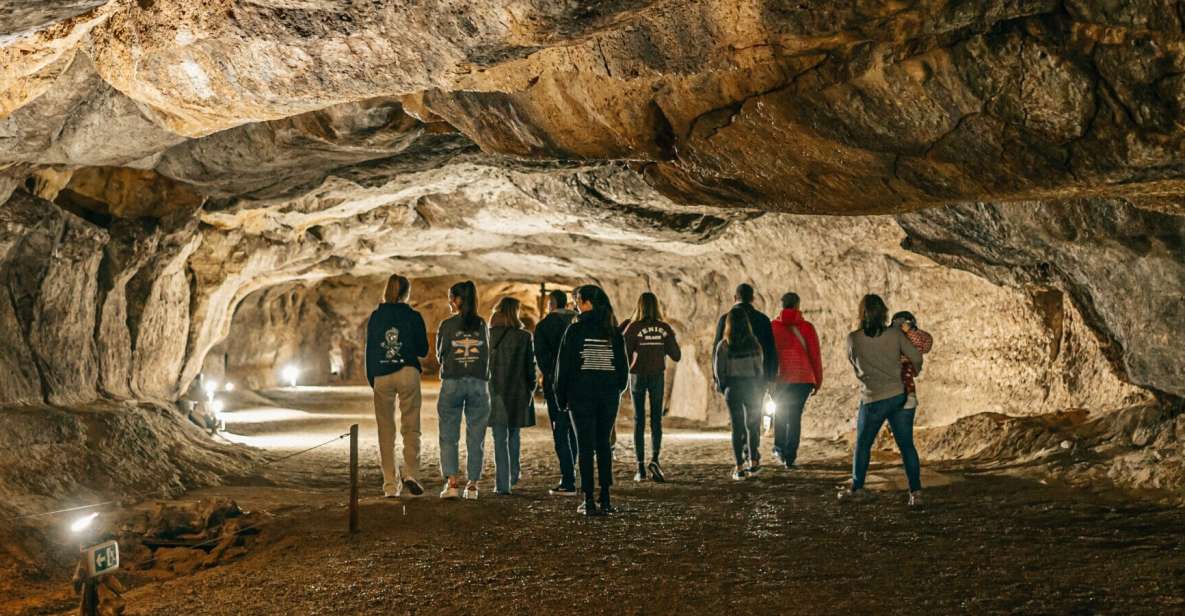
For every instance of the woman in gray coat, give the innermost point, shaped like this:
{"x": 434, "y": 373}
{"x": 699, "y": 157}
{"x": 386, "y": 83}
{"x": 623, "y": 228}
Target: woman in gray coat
{"x": 512, "y": 389}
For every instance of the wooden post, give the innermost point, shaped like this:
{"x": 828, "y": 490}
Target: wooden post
{"x": 354, "y": 478}
{"x": 90, "y": 598}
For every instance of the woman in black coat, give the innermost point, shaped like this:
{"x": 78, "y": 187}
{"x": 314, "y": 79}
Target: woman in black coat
{"x": 591, "y": 373}
{"x": 512, "y": 390}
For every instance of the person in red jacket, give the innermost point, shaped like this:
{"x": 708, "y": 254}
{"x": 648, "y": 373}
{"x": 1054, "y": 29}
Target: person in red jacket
{"x": 800, "y": 374}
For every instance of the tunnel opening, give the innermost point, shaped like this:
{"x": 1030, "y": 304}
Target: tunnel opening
{"x": 199, "y": 196}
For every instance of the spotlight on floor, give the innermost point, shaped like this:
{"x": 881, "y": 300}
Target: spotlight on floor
{"x": 83, "y": 523}
{"x": 219, "y": 422}
{"x": 290, "y": 373}
{"x": 210, "y": 386}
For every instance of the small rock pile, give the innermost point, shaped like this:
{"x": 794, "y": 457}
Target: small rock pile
{"x": 182, "y": 539}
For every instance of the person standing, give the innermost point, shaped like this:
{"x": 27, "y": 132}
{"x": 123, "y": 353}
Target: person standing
{"x": 462, "y": 346}
{"x": 548, "y": 334}
{"x": 760, "y": 323}
{"x": 648, "y": 342}
{"x": 800, "y": 375}
{"x": 591, "y": 373}
{"x": 738, "y": 366}
{"x": 512, "y": 390}
{"x": 875, "y": 352}
{"x": 396, "y": 341}
{"x": 923, "y": 341}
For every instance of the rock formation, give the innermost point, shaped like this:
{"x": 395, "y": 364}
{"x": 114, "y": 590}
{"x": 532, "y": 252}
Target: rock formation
{"x": 164, "y": 163}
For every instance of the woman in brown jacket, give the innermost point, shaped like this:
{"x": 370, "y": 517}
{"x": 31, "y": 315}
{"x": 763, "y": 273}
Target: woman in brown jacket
{"x": 512, "y": 390}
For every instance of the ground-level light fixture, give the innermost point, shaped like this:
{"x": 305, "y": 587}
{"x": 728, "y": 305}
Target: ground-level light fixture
{"x": 290, "y": 373}
{"x": 83, "y": 523}
{"x": 229, "y": 386}
{"x": 210, "y": 386}
{"x": 770, "y": 407}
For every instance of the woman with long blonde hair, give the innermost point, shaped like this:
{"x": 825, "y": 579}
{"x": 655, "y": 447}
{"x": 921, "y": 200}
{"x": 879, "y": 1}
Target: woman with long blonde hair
{"x": 512, "y": 390}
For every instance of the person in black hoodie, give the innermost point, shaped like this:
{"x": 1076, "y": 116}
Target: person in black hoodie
{"x": 396, "y": 340}
{"x": 591, "y": 373}
{"x": 548, "y": 334}
{"x": 763, "y": 331}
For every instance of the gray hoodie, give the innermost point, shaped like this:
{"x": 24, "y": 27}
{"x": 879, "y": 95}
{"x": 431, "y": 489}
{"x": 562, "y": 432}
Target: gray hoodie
{"x": 877, "y": 362}
{"x": 463, "y": 352}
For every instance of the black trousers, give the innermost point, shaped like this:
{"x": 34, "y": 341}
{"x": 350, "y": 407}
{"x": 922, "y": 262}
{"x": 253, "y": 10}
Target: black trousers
{"x": 563, "y": 435}
{"x": 643, "y": 386}
{"x": 593, "y": 417}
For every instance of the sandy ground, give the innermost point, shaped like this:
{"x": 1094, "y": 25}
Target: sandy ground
{"x": 700, "y": 543}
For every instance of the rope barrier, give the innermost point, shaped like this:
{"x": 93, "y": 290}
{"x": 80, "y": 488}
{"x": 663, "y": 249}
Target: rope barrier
{"x": 137, "y": 495}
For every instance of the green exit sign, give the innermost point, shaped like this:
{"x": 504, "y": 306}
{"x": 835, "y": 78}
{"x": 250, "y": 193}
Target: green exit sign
{"x": 102, "y": 559}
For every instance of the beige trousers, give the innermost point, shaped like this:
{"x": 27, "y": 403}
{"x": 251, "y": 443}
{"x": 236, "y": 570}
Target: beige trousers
{"x": 404, "y": 385}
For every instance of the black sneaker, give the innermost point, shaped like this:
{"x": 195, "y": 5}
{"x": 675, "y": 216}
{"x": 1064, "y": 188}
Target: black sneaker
{"x": 607, "y": 509}
{"x": 656, "y": 471}
{"x": 588, "y": 508}
{"x": 413, "y": 487}
{"x": 754, "y": 467}
{"x": 560, "y": 490}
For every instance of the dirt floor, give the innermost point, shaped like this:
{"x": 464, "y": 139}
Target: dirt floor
{"x": 701, "y": 543}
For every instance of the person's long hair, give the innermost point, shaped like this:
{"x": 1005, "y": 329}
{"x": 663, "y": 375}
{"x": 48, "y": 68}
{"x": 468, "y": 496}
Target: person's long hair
{"x": 647, "y": 310}
{"x": 738, "y": 332}
{"x": 467, "y": 293}
{"x": 603, "y": 317}
{"x": 873, "y": 315}
{"x": 505, "y": 314}
{"x": 398, "y": 288}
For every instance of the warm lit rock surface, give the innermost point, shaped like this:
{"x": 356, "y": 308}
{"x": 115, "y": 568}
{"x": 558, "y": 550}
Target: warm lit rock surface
{"x": 164, "y": 163}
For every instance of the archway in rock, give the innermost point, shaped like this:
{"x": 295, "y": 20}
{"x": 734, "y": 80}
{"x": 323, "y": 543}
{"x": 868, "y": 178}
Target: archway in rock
{"x": 219, "y": 188}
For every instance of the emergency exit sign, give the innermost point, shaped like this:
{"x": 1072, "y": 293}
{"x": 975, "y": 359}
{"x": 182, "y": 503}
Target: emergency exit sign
{"x": 102, "y": 559}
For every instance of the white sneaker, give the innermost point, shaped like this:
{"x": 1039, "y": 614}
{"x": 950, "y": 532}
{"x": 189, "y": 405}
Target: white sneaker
{"x": 915, "y": 498}
{"x": 471, "y": 490}
{"x": 852, "y": 495}
{"x": 450, "y": 489}
{"x": 392, "y": 490}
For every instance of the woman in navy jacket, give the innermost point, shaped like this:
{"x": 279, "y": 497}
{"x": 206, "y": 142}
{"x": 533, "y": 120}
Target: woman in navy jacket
{"x": 591, "y": 373}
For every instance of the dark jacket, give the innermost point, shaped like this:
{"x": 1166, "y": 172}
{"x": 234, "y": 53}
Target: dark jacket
{"x": 764, "y": 333}
{"x": 512, "y": 378}
{"x": 548, "y": 334}
{"x": 395, "y": 338}
{"x": 647, "y": 345}
{"x": 590, "y": 363}
{"x": 463, "y": 352}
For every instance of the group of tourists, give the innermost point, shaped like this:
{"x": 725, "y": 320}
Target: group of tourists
{"x": 587, "y": 358}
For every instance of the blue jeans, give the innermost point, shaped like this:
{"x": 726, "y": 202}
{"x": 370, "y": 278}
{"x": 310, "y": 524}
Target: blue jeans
{"x": 643, "y": 386}
{"x": 789, "y": 401}
{"x": 506, "y": 466}
{"x": 868, "y": 425}
{"x": 564, "y": 436}
{"x": 470, "y": 396}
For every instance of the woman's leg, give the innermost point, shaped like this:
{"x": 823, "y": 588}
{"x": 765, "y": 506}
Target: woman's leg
{"x": 656, "y": 387}
{"x": 868, "y": 424}
{"x": 515, "y": 443}
{"x": 753, "y": 402}
{"x": 448, "y": 410}
{"x": 605, "y": 417}
{"x": 901, "y": 422}
{"x": 736, "y": 414}
{"x": 477, "y": 418}
{"x": 501, "y": 459}
{"x": 638, "y": 394}
{"x": 585, "y": 425}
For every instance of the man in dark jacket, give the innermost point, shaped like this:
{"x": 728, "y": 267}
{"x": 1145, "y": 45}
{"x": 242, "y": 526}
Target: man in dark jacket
{"x": 761, "y": 329}
{"x": 548, "y": 334}
{"x": 396, "y": 340}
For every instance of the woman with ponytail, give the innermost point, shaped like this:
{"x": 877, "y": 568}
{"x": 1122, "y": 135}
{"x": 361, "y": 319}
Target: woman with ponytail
{"x": 462, "y": 346}
{"x": 591, "y": 373}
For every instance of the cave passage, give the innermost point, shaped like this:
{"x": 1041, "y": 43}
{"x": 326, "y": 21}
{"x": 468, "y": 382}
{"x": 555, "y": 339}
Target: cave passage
{"x": 201, "y": 204}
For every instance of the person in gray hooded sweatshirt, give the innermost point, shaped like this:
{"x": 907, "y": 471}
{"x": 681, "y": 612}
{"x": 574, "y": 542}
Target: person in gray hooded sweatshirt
{"x": 462, "y": 345}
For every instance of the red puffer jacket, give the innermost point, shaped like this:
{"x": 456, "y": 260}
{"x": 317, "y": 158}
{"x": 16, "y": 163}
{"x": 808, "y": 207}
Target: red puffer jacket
{"x": 796, "y": 364}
